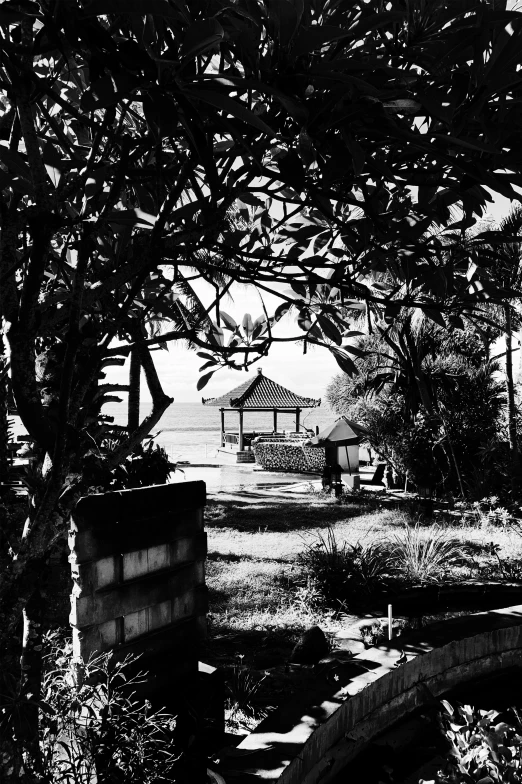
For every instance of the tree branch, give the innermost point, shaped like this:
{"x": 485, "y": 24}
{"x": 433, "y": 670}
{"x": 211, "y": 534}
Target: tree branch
{"x": 160, "y": 403}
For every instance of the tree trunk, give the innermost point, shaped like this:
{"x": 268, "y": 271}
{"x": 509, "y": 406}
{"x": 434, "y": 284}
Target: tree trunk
{"x": 453, "y": 459}
{"x": 31, "y": 673}
{"x": 4, "y": 422}
{"x": 512, "y": 412}
{"x": 133, "y": 418}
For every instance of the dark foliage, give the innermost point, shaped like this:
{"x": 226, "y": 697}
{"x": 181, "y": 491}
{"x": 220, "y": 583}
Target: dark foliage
{"x": 148, "y": 464}
{"x": 459, "y": 419}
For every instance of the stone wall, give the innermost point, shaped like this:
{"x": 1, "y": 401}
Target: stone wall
{"x": 285, "y": 456}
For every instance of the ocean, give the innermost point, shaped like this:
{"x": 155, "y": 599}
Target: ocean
{"x": 191, "y": 431}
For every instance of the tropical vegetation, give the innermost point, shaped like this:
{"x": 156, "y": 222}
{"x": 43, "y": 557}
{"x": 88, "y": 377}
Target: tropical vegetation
{"x": 155, "y": 151}
{"x": 433, "y": 405}
{"x": 430, "y": 393}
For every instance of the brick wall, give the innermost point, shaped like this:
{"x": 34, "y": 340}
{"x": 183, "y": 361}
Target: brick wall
{"x": 137, "y": 559}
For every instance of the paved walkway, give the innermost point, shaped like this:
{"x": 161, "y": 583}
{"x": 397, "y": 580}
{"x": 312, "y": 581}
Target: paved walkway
{"x": 223, "y": 474}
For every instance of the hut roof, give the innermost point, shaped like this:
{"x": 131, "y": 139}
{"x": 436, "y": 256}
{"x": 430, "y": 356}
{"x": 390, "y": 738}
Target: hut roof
{"x": 261, "y": 392}
{"x": 341, "y": 432}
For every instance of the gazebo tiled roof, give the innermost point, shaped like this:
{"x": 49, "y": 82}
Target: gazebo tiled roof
{"x": 261, "y": 392}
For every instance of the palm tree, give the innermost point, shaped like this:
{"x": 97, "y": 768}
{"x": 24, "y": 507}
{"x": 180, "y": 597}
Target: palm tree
{"x": 4, "y": 422}
{"x": 506, "y": 268}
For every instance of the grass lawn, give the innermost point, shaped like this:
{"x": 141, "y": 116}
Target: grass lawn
{"x": 256, "y": 611}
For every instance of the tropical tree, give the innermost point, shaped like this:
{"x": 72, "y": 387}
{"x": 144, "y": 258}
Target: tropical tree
{"x": 153, "y": 147}
{"x": 498, "y": 248}
{"x": 5, "y": 430}
{"x": 507, "y": 268}
{"x": 435, "y": 433}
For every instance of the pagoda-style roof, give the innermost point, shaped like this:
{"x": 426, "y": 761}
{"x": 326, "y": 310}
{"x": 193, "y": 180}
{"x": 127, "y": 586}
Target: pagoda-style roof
{"x": 261, "y": 392}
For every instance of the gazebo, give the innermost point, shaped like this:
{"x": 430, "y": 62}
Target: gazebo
{"x": 259, "y": 393}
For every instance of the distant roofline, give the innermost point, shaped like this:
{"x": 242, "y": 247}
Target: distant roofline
{"x": 238, "y": 398}
{"x": 314, "y": 404}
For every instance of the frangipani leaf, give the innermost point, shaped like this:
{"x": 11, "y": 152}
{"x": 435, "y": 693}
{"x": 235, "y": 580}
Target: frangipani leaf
{"x": 203, "y": 380}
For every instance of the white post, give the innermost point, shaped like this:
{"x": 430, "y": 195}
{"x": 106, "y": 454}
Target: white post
{"x": 390, "y": 622}
{"x": 240, "y": 431}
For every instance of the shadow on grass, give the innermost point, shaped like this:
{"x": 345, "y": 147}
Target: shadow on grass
{"x": 218, "y": 599}
{"x": 228, "y": 557}
{"x": 476, "y": 548}
{"x": 240, "y": 558}
{"x": 280, "y": 515}
{"x": 258, "y": 648}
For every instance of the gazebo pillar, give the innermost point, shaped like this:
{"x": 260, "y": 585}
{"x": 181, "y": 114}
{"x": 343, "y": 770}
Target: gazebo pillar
{"x": 240, "y": 430}
{"x": 297, "y": 415}
{"x": 222, "y": 426}
{"x": 275, "y": 420}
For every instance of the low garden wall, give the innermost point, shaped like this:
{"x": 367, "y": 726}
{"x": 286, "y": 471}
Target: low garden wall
{"x": 312, "y": 738}
{"x": 397, "y": 693}
{"x": 471, "y": 595}
{"x": 285, "y": 456}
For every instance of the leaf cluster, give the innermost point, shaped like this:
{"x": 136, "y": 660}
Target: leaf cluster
{"x": 201, "y": 136}
{"x": 97, "y": 727}
{"x": 346, "y": 574}
{"x": 484, "y": 745}
{"x": 147, "y": 465}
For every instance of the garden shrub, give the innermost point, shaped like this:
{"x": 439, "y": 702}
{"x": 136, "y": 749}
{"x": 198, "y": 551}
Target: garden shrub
{"x": 346, "y": 573}
{"x": 503, "y": 569}
{"x": 377, "y": 632}
{"x": 95, "y": 729}
{"x": 426, "y": 554}
{"x": 148, "y": 464}
{"x": 483, "y": 748}
{"x": 462, "y": 424}
{"x": 242, "y": 686}
{"x": 488, "y": 511}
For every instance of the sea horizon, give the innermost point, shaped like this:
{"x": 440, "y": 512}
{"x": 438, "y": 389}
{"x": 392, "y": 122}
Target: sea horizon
{"x": 191, "y": 431}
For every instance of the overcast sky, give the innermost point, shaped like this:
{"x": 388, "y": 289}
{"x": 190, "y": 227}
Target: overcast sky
{"x": 307, "y": 375}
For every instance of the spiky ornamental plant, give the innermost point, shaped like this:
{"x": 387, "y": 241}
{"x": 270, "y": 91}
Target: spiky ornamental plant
{"x": 425, "y": 554}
